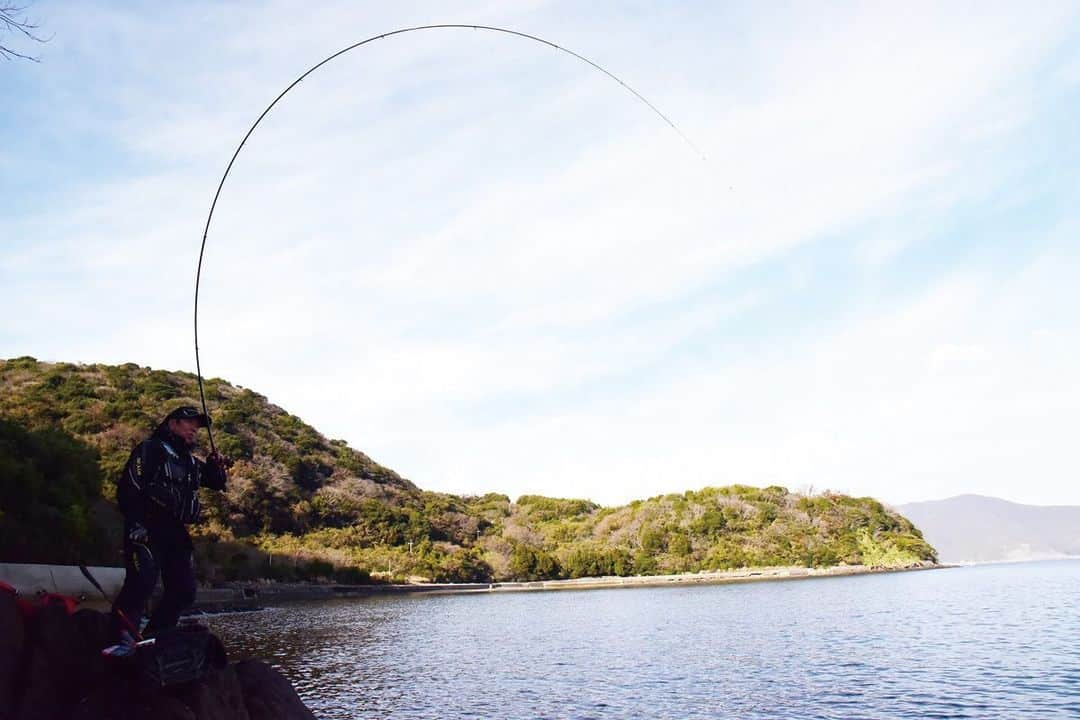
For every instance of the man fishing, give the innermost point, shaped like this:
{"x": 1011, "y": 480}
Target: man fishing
{"x": 158, "y": 494}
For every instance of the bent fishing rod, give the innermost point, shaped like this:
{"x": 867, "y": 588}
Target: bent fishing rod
{"x": 339, "y": 53}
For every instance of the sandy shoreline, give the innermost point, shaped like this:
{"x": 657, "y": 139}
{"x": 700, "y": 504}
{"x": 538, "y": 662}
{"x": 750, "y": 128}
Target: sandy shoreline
{"x": 718, "y": 577}
{"x": 268, "y": 593}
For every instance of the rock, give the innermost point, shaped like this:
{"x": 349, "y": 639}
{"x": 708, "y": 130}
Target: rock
{"x": 268, "y": 695}
{"x": 122, "y": 700}
{"x": 52, "y": 668}
{"x": 11, "y": 647}
{"x": 218, "y": 697}
{"x": 93, "y": 707}
{"x": 64, "y": 662}
{"x": 93, "y": 631}
{"x": 160, "y": 707}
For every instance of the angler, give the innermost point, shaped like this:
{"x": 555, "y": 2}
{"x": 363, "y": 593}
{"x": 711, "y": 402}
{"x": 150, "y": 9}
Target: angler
{"x": 158, "y": 494}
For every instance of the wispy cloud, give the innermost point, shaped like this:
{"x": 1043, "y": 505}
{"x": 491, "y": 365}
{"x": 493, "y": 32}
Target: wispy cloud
{"x": 484, "y": 264}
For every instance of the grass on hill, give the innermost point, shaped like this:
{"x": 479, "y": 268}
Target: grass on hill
{"x": 300, "y": 506}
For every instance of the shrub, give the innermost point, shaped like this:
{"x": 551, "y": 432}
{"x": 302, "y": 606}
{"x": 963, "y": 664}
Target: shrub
{"x": 883, "y": 553}
{"x": 527, "y": 563}
{"x": 317, "y": 570}
{"x": 49, "y": 481}
{"x": 351, "y": 575}
{"x": 542, "y": 508}
{"x": 652, "y": 539}
{"x": 679, "y": 545}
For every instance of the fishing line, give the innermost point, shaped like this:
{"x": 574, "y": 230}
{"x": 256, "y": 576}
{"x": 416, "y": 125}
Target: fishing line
{"x": 313, "y": 68}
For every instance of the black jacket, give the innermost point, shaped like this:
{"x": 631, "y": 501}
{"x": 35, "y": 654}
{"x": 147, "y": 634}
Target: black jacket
{"x": 160, "y": 483}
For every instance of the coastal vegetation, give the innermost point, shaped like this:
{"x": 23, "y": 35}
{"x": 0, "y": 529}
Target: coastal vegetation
{"x": 300, "y": 506}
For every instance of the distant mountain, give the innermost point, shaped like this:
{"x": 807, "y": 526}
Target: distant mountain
{"x": 975, "y": 528}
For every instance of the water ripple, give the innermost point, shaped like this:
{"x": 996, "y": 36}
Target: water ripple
{"x": 979, "y": 642}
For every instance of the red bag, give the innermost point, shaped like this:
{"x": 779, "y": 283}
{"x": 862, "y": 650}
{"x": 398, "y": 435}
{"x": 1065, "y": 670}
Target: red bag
{"x": 29, "y": 608}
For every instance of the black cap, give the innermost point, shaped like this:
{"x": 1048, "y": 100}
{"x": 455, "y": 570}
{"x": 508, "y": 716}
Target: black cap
{"x": 187, "y": 412}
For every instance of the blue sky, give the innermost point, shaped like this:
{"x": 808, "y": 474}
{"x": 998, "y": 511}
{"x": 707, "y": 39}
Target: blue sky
{"x": 492, "y": 269}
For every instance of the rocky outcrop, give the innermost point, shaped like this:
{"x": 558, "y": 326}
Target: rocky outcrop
{"x": 11, "y": 646}
{"x": 265, "y": 695}
{"x": 51, "y": 667}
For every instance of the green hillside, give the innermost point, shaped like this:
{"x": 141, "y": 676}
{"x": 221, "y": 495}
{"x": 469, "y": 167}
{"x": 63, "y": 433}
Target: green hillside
{"x": 301, "y": 506}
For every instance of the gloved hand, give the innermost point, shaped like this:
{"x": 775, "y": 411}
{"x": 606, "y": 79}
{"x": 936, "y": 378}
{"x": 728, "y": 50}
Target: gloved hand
{"x": 138, "y": 534}
{"x": 222, "y": 461}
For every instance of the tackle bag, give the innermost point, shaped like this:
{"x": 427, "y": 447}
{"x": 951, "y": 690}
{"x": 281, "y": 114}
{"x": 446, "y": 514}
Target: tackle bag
{"x": 29, "y": 608}
{"x": 179, "y": 655}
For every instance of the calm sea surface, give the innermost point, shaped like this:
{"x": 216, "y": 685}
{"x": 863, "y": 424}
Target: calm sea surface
{"x": 992, "y": 641}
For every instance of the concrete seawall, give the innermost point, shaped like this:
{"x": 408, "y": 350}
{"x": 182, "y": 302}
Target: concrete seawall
{"x": 29, "y": 579}
{"x": 68, "y": 580}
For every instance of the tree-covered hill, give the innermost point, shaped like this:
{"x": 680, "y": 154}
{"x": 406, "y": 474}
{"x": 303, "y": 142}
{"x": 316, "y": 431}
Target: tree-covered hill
{"x": 302, "y": 506}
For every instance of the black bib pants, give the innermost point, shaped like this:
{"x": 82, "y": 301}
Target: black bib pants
{"x": 168, "y": 552}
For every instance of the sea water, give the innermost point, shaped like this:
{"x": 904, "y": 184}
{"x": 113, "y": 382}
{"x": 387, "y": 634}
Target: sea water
{"x": 991, "y": 641}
